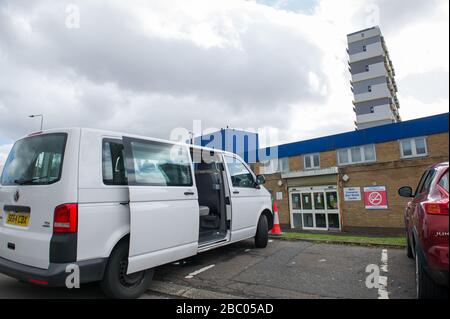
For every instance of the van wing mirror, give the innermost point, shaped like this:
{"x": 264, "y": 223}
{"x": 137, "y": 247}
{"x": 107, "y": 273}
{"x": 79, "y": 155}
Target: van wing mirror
{"x": 406, "y": 191}
{"x": 260, "y": 180}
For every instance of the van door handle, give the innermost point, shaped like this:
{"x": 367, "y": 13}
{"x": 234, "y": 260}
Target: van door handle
{"x": 235, "y": 192}
{"x": 125, "y": 203}
{"x": 189, "y": 193}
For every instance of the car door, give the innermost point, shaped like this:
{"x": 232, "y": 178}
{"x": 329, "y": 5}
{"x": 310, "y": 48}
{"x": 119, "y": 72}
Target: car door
{"x": 412, "y": 203}
{"x": 164, "y": 211}
{"x": 245, "y": 198}
{"x": 420, "y": 196}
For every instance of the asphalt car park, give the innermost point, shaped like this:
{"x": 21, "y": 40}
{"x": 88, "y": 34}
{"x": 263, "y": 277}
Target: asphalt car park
{"x": 285, "y": 269}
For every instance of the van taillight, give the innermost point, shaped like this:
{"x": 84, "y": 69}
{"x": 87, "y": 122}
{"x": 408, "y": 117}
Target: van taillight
{"x": 66, "y": 218}
{"x": 436, "y": 208}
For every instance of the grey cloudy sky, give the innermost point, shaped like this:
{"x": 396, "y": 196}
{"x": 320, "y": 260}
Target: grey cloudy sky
{"x": 148, "y": 67}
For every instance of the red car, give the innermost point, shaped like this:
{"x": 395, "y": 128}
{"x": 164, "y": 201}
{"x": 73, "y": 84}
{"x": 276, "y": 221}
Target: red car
{"x": 426, "y": 220}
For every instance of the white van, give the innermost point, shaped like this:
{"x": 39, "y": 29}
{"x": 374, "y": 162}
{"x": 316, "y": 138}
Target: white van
{"x": 118, "y": 205}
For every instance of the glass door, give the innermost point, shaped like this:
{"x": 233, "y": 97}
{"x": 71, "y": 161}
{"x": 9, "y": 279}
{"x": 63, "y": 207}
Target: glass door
{"x": 332, "y": 210}
{"x": 296, "y": 210}
{"x": 315, "y": 208}
{"x": 320, "y": 216}
{"x": 307, "y": 205}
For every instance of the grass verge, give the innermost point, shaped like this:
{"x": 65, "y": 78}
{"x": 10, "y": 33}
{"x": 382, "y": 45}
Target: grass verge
{"x": 360, "y": 240}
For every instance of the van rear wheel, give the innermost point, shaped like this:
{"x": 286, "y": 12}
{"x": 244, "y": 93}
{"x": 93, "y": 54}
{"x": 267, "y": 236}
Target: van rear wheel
{"x": 116, "y": 283}
{"x": 262, "y": 232}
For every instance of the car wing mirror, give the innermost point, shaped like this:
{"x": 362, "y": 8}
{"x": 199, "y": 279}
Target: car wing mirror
{"x": 406, "y": 191}
{"x": 260, "y": 180}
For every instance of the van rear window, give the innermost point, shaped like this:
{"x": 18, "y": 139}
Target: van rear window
{"x": 35, "y": 160}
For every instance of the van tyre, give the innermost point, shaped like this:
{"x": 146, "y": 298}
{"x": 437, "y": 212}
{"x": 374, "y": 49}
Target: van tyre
{"x": 262, "y": 232}
{"x": 426, "y": 288}
{"x": 116, "y": 283}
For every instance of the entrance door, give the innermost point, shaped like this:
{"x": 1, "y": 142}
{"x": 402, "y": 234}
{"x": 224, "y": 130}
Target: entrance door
{"x": 314, "y": 208}
{"x": 164, "y": 208}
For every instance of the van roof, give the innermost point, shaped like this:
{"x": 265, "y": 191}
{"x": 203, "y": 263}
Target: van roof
{"x": 120, "y": 134}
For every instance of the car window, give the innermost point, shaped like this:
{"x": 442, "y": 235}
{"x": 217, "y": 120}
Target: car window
{"x": 35, "y": 160}
{"x": 113, "y": 163}
{"x": 443, "y": 182}
{"x": 426, "y": 181}
{"x": 240, "y": 175}
{"x": 160, "y": 164}
{"x": 420, "y": 185}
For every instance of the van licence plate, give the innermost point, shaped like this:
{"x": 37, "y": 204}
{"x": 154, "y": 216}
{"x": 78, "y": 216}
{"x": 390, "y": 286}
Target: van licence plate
{"x": 18, "y": 219}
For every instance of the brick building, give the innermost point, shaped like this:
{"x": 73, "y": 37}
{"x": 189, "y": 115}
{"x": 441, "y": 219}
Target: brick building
{"x": 349, "y": 181}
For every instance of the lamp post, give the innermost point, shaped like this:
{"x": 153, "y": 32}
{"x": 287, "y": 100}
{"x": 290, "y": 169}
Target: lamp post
{"x": 38, "y": 115}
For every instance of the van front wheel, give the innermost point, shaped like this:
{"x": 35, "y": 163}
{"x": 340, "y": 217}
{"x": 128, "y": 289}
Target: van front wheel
{"x": 262, "y": 232}
{"x": 116, "y": 283}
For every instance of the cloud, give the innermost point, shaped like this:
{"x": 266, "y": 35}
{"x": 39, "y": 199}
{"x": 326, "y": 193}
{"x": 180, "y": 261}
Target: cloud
{"x": 228, "y": 60}
{"x": 150, "y": 67}
{"x": 4, "y": 151}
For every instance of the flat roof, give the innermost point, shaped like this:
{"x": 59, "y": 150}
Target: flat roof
{"x": 390, "y": 132}
{"x": 363, "y": 30}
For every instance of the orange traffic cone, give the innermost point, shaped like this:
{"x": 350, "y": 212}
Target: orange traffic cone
{"x": 276, "y": 230}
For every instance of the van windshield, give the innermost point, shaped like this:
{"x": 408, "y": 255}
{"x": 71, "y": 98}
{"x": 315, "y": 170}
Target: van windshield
{"x": 35, "y": 160}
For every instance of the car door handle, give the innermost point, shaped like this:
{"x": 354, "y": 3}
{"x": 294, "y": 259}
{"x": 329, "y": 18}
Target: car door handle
{"x": 189, "y": 193}
{"x": 235, "y": 192}
{"x": 125, "y": 203}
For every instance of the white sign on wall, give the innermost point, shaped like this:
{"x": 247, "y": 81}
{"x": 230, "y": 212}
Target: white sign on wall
{"x": 352, "y": 194}
{"x": 279, "y": 195}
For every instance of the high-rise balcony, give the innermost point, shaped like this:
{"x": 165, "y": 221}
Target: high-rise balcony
{"x": 380, "y": 113}
{"x": 372, "y": 50}
{"x": 375, "y": 70}
{"x": 377, "y": 92}
{"x": 363, "y": 34}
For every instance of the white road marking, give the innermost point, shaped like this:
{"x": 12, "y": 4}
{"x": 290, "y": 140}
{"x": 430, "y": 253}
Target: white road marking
{"x": 247, "y": 250}
{"x": 384, "y": 260}
{"x": 270, "y": 240}
{"x": 383, "y": 280}
{"x": 195, "y": 273}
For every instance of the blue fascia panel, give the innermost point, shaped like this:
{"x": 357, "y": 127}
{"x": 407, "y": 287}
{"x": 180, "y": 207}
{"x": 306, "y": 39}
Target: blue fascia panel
{"x": 385, "y": 133}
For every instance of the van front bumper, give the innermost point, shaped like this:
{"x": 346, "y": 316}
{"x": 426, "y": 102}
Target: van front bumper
{"x": 55, "y": 275}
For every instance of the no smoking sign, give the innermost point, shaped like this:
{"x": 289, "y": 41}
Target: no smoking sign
{"x": 375, "y": 197}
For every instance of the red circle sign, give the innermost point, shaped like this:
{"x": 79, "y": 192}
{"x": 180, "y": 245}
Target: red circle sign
{"x": 375, "y": 198}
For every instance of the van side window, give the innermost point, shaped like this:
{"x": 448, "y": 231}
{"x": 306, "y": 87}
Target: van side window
{"x": 240, "y": 175}
{"x": 113, "y": 164}
{"x": 161, "y": 164}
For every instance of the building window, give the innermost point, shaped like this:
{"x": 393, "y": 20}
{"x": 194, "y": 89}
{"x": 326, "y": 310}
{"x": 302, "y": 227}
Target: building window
{"x": 367, "y": 68}
{"x": 413, "y": 147}
{"x": 369, "y": 88}
{"x": 275, "y": 165}
{"x": 372, "y": 109}
{"x": 312, "y": 161}
{"x": 357, "y": 154}
{"x": 364, "y": 48}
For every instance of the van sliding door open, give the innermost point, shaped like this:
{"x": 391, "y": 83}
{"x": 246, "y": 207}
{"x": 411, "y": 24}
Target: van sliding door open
{"x": 163, "y": 203}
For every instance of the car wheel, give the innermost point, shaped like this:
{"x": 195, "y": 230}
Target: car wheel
{"x": 409, "y": 250}
{"x": 262, "y": 232}
{"x": 116, "y": 283}
{"x": 426, "y": 288}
